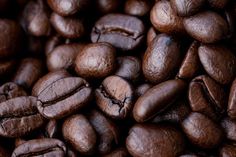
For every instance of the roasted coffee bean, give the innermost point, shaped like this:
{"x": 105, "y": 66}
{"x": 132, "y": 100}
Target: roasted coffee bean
{"x": 64, "y": 97}
{"x": 129, "y": 67}
{"x": 141, "y": 89}
{"x": 187, "y": 7}
{"x": 229, "y": 128}
{"x": 10, "y": 36}
{"x": 219, "y": 62}
{"x": 63, "y": 56}
{"x": 52, "y": 129}
{"x": 115, "y": 97}
{"x": 7, "y": 67}
{"x": 107, "y": 6}
{"x": 28, "y": 72}
{"x": 191, "y": 62}
{"x": 105, "y": 129}
{"x": 35, "y": 18}
{"x": 67, "y": 27}
{"x": 137, "y": 7}
{"x": 122, "y": 31}
{"x": 52, "y": 43}
{"x": 148, "y": 140}
{"x": 96, "y": 60}
{"x": 157, "y": 99}
{"x": 19, "y": 116}
{"x": 164, "y": 19}
{"x": 161, "y": 58}
{"x": 79, "y": 133}
{"x": 151, "y": 34}
{"x": 120, "y": 152}
{"x": 41, "y": 147}
{"x": 219, "y": 4}
{"x": 228, "y": 150}
{"x": 71, "y": 153}
{"x": 202, "y": 131}
{"x": 207, "y": 97}
{"x": 189, "y": 155}
{"x": 67, "y": 7}
{"x": 232, "y": 101}
{"x": 10, "y": 90}
{"x": 207, "y": 27}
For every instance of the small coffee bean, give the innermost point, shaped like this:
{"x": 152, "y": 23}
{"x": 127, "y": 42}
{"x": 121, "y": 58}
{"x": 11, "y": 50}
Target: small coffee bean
{"x": 52, "y": 43}
{"x": 229, "y": 127}
{"x": 228, "y": 150}
{"x": 119, "y": 152}
{"x": 141, "y": 89}
{"x": 7, "y": 67}
{"x": 107, "y": 6}
{"x": 52, "y": 129}
{"x": 218, "y": 4}
{"x": 151, "y": 34}
{"x": 232, "y": 101}
{"x": 137, "y": 7}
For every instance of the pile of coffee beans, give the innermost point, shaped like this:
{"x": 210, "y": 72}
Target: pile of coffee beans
{"x": 118, "y": 78}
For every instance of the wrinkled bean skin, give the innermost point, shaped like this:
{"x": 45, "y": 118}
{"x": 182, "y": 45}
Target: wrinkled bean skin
{"x": 232, "y": 101}
{"x": 161, "y": 58}
{"x": 229, "y": 127}
{"x": 219, "y": 62}
{"x": 79, "y": 133}
{"x": 157, "y": 99}
{"x": 228, "y": 150}
{"x": 207, "y": 27}
{"x": 146, "y": 140}
{"x": 47, "y": 147}
{"x": 202, "y": 131}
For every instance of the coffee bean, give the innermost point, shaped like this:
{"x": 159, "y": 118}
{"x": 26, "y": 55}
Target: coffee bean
{"x": 79, "y": 133}
{"x": 122, "y": 31}
{"x": 202, "y": 131}
{"x": 120, "y": 152}
{"x": 52, "y": 43}
{"x": 157, "y": 99}
{"x": 137, "y": 7}
{"x": 141, "y": 89}
{"x": 232, "y": 101}
{"x": 148, "y": 140}
{"x": 96, "y": 60}
{"x": 219, "y": 62}
{"x": 219, "y": 4}
{"x": 41, "y": 147}
{"x": 151, "y": 34}
{"x": 115, "y": 97}
{"x": 7, "y": 67}
{"x": 19, "y": 116}
{"x": 161, "y": 58}
{"x": 107, "y": 6}
{"x": 52, "y": 129}
{"x": 229, "y": 128}
{"x": 64, "y": 97}
{"x": 228, "y": 150}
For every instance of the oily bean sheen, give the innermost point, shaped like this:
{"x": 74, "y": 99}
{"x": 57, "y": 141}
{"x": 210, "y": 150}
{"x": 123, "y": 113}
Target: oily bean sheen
{"x": 202, "y": 131}
{"x": 115, "y": 97}
{"x": 122, "y": 31}
{"x": 207, "y": 27}
{"x": 219, "y": 62}
{"x": 67, "y": 27}
{"x": 63, "y": 97}
{"x": 19, "y": 116}
{"x": 96, "y": 60}
{"x": 146, "y": 140}
{"x": 47, "y": 147}
{"x": 79, "y": 133}
{"x": 157, "y": 99}
{"x": 187, "y": 7}
{"x": 232, "y": 101}
{"x": 161, "y": 58}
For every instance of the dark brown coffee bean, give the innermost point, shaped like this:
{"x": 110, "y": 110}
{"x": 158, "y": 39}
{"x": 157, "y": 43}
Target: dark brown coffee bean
{"x": 28, "y": 72}
{"x": 157, "y": 99}
{"x": 35, "y": 18}
{"x": 105, "y": 129}
{"x": 129, "y": 67}
{"x": 151, "y": 140}
{"x": 7, "y": 67}
{"x": 79, "y": 133}
{"x": 67, "y": 7}
{"x": 107, "y": 6}
{"x": 164, "y": 19}
{"x": 219, "y": 62}
{"x": 191, "y": 62}
{"x": 232, "y": 101}
{"x": 119, "y": 152}
{"x": 161, "y": 58}
{"x": 151, "y": 34}
{"x": 187, "y": 7}
{"x": 63, "y": 56}
{"x": 202, "y": 131}
{"x": 219, "y": 4}
{"x": 96, "y": 60}
{"x": 229, "y": 127}
{"x": 137, "y": 7}
{"x": 19, "y": 116}
{"x": 41, "y": 147}
{"x": 10, "y": 90}
{"x": 207, "y": 27}
{"x": 48, "y": 79}
{"x": 228, "y": 150}
{"x": 52, "y": 129}
{"x": 141, "y": 89}
{"x": 68, "y": 27}
{"x": 115, "y": 97}
{"x": 10, "y": 36}
{"x": 64, "y": 97}
{"x": 207, "y": 97}
{"x": 122, "y": 31}
{"x": 52, "y": 43}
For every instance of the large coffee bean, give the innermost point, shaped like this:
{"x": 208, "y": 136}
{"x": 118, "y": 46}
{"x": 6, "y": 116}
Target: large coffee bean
{"x": 232, "y": 101}
{"x": 122, "y": 31}
{"x": 146, "y": 140}
{"x": 157, "y": 99}
{"x": 19, "y": 116}
{"x": 161, "y": 58}
{"x": 64, "y": 97}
